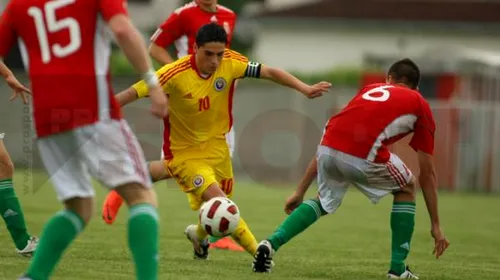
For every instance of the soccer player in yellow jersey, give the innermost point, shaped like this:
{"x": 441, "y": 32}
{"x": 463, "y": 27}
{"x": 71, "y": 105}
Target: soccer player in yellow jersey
{"x": 200, "y": 89}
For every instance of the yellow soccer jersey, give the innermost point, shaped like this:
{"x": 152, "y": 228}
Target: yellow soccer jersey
{"x": 200, "y": 108}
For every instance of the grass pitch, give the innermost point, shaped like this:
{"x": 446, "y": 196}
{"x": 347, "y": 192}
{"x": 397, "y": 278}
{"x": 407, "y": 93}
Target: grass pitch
{"x": 354, "y": 243}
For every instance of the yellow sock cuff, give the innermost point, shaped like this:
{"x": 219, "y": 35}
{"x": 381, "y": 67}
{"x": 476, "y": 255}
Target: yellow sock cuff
{"x": 200, "y": 232}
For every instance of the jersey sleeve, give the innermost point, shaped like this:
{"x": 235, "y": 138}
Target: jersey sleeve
{"x": 141, "y": 88}
{"x": 242, "y": 67}
{"x": 111, "y": 8}
{"x": 7, "y": 31}
{"x": 230, "y": 27}
{"x": 164, "y": 76}
{"x": 169, "y": 31}
{"x": 424, "y": 130}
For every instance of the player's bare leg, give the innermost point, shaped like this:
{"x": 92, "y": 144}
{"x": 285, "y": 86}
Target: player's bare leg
{"x": 402, "y": 225}
{"x": 114, "y": 201}
{"x": 197, "y": 235}
{"x": 10, "y": 208}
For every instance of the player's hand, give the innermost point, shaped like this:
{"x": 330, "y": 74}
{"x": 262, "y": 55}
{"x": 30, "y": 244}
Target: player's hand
{"x": 317, "y": 90}
{"x": 293, "y": 202}
{"x": 440, "y": 242}
{"x": 19, "y": 89}
{"x": 159, "y": 102}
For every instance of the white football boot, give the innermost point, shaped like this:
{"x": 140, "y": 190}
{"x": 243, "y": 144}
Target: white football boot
{"x": 407, "y": 274}
{"x": 30, "y": 247}
{"x": 200, "y": 247}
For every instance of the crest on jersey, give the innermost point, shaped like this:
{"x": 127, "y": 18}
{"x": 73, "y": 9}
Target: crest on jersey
{"x": 198, "y": 181}
{"x": 220, "y": 84}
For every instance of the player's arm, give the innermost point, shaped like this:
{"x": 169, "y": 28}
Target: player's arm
{"x": 136, "y": 91}
{"x": 19, "y": 89}
{"x": 134, "y": 47}
{"x": 4, "y": 70}
{"x": 8, "y": 39}
{"x": 428, "y": 184}
{"x": 131, "y": 42}
{"x": 247, "y": 69}
{"x": 282, "y": 77}
{"x": 423, "y": 143}
{"x": 140, "y": 89}
{"x": 309, "y": 176}
{"x": 160, "y": 54}
{"x": 165, "y": 36}
{"x": 127, "y": 96}
{"x": 298, "y": 196}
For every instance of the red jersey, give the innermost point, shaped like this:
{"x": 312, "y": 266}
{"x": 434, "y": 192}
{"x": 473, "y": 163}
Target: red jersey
{"x": 379, "y": 115}
{"x": 68, "y": 53}
{"x": 181, "y": 27}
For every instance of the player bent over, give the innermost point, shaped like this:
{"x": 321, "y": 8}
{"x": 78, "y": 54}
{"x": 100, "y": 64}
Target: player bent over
{"x": 10, "y": 208}
{"x": 200, "y": 89}
{"x": 78, "y": 122}
{"x": 180, "y": 29}
{"x": 354, "y": 151}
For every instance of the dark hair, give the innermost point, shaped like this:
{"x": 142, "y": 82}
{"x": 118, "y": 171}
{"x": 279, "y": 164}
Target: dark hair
{"x": 405, "y": 71}
{"x": 210, "y": 33}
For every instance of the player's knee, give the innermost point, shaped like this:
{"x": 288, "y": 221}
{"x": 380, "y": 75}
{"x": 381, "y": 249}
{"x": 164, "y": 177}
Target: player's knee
{"x": 82, "y": 206}
{"x": 328, "y": 207}
{"x": 6, "y": 166}
{"x": 158, "y": 171}
{"x": 410, "y": 188}
{"x": 212, "y": 191}
{"x": 135, "y": 193}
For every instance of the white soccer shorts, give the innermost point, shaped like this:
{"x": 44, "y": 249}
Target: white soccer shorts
{"x": 106, "y": 150}
{"x": 337, "y": 170}
{"x": 2, "y": 135}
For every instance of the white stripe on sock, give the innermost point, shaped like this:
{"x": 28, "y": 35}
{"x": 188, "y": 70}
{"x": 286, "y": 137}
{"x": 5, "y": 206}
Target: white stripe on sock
{"x": 403, "y": 208}
{"x": 403, "y": 211}
{"x": 315, "y": 207}
{"x": 143, "y": 210}
{"x": 75, "y": 220}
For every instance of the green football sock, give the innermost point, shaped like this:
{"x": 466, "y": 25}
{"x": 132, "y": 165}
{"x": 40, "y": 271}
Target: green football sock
{"x": 402, "y": 225}
{"x": 58, "y": 234}
{"x": 143, "y": 240}
{"x": 12, "y": 214}
{"x": 301, "y": 218}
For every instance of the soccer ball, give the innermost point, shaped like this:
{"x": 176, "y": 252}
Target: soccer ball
{"x": 219, "y": 216}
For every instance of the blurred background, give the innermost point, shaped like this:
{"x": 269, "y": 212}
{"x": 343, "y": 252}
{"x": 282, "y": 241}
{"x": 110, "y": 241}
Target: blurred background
{"x": 349, "y": 43}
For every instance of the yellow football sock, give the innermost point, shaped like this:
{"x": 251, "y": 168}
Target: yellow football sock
{"x": 245, "y": 237}
{"x": 200, "y": 232}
